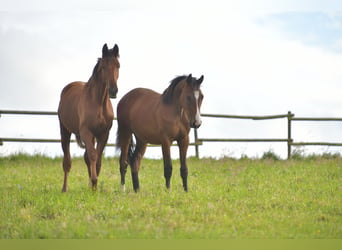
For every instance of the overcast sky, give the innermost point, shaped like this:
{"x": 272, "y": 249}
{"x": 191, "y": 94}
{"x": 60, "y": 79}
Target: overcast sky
{"x": 258, "y": 57}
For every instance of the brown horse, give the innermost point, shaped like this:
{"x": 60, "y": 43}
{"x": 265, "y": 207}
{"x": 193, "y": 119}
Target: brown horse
{"x": 158, "y": 119}
{"x": 86, "y": 111}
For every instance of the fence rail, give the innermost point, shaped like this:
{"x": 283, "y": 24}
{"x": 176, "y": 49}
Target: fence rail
{"x": 267, "y": 117}
{"x": 290, "y": 117}
{"x": 24, "y": 112}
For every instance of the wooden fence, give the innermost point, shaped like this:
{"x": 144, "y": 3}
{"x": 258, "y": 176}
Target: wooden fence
{"x": 290, "y": 117}
{"x": 198, "y": 141}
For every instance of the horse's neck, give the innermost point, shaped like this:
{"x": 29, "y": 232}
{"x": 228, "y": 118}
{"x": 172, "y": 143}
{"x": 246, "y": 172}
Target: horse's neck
{"x": 178, "y": 111}
{"x": 98, "y": 91}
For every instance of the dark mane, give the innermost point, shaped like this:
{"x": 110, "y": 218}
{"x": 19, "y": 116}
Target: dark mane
{"x": 96, "y": 68}
{"x": 168, "y": 93}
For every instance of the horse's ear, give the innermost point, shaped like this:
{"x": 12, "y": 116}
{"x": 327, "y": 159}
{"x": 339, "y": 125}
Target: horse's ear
{"x": 116, "y": 50}
{"x": 200, "y": 80}
{"x": 104, "y": 50}
{"x": 189, "y": 79}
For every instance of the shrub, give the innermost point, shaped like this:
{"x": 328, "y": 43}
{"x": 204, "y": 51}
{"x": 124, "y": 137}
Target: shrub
{"x": 270, "y": 155}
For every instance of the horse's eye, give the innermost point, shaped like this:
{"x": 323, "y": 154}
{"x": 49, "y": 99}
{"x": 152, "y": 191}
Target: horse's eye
{"x": 188, "y": 99}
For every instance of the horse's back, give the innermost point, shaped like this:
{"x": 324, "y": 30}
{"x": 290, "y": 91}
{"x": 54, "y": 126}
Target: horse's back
{"x": 68, "y": 105}
{"x": 140, "y": 93}
{"x": 138, "y": 98}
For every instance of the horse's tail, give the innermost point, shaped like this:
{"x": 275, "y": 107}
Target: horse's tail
{"x": 118, "y": 142}
{"x": 79, "y": 141}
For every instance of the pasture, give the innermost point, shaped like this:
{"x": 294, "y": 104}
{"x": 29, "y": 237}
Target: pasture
{"x": 227, "y": 199}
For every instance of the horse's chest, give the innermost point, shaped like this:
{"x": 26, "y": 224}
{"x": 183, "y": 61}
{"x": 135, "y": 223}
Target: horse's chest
{"x": 174, "y": 130}
{"x": 100, "y": 123}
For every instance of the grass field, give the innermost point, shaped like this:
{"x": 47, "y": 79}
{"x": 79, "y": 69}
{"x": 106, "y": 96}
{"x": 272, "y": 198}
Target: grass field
{"x": 227, "y": 199}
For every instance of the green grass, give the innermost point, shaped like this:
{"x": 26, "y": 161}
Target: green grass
{"x": 227, "y": 199}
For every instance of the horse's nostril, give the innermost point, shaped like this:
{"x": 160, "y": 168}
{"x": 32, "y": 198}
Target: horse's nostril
{"x": 196, "y": 124}
{"x": 113, "y": 92}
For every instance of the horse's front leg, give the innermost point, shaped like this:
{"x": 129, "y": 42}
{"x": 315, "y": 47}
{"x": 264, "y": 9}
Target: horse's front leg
{"x": 91, "y": 155}
{"x": 101, "y": 143}
{"x": 183, "y": 148}
{"x": 167, "y": 163}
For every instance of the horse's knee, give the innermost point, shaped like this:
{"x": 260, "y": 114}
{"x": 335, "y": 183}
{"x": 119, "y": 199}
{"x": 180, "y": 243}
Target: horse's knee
{"x": 91, "y": 156}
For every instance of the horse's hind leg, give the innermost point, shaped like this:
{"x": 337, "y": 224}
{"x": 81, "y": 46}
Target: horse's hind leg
{"x": 135, "y": 165}
{"x": 65, "y": 140}
{"x": 167, "y": 163}
{"x": 123, "y": 167}
{"x": 124, "y": 144}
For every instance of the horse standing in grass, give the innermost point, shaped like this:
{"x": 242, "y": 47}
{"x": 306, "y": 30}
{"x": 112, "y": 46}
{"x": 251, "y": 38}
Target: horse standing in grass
{"x": 85, "y": 110}
{"x": 158, "y": 119}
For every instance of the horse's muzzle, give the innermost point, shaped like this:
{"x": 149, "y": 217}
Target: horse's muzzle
{"x": 113, "y": 92}
{"x": 196, "y": 124}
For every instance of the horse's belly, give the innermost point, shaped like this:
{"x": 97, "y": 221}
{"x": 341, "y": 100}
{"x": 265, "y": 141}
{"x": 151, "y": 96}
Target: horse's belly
{"x": 155, "y": 135}
{"x": 152, "y": 139}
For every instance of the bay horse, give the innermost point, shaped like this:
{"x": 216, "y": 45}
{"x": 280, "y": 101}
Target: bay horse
{"x": 158, "y": 119}
{"x": 85, "y": 110}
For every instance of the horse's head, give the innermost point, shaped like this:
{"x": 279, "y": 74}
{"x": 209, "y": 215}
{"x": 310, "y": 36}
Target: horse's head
{"x": 191, "y": 100}
{"x": 110, "y": 68}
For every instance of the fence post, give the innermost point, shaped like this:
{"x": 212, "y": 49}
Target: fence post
{"x": 289, "y": 139}
{"x": 196, "y": 141}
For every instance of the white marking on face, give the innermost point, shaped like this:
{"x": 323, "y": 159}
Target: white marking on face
{"x": 198, "y": 120}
